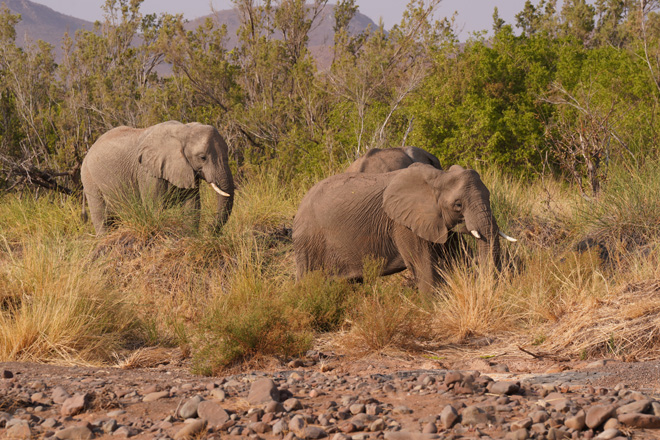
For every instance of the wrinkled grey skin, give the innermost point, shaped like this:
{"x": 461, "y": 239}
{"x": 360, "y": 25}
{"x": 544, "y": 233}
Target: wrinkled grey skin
{"x": 398, "y": 217}
{"x": 158, "y": 163}
{"x": 392, "y": 159}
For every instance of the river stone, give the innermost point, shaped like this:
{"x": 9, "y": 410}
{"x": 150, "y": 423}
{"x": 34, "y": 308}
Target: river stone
{"x": 557, "y": 434}
{"x": 152, "y": 397}
{"x": 296, "y": 424}
{"x": 75, "y": 433}
{"x": 518, "y": 434}
{"x": 473, "y": 415}
{"x": 218, "y": 394}
{"x": 638, "y": 406}
{"x": 59, "y": 395}
{"x": 189, "y": 409}
{"x": 357, "y": 408}
{"x": 507, "y": 388}
{"x": 109, "y": 426}
{"x": 292, "y": 404}
{"x": 608, "y": 434}
{"x": 19, "y": 431}
{"x": 448, "y": 416}
{"x": 213, "y": 413}
{"x": 598, "y": 414}
{"x": 191, "y": 430}
{"x": 521, "y": 424}
{"x": 576, "y": 422}
{"x": 75, "y": 405}
{"x": 262, "y": 391}
{"x": 405, "y": 435}
{"x": 279, "y": 427}
{"x": 429, "y": 428}
{"x": 539, "y": 416}
{"x": 379, "y": 425}
{"x": 643, "y": 421}
{"x": 312, "y": 432}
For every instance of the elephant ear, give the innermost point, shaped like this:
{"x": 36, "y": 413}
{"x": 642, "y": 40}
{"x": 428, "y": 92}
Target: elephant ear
{"x": 161, "y": 153}
{"x": 410, "y": 200}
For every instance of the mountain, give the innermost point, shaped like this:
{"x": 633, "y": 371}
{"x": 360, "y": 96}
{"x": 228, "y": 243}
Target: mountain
{"x": 39, "y": 22}
{"x": 321, "y": 35}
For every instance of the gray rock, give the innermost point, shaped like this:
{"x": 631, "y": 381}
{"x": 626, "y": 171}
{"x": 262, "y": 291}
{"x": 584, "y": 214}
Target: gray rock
{"x": 189, "y": 409}
{"x": 59, "y": 395}
{"x": 507, "y": 388}
{"x": 274, "y": 407}
{"x": 521, "y": 424}
{"x": 473, "y": 415}
{"x": 296, "y": 424}
{"x": 125, "y": 432}
{"x": 152, "y": 397}
{"x": 377, "y": 425}
{"x": 518, "y": 434}
{"x": 292, "y": 404}
{"x": 430, "y": 428}
{"x": 638, "y": 406}
{"x": 608, "y": 434}
{"x": 448, "y": 416}
{"x": 357, "y": 408}
{"x": 109, "y": 426}
{"x": 539, "y": 416}
{"x": 312, "y": 432}
{"x": 75, "y": 405}
{"x": 49, "y": 423}
{"x": 190, "y": 430}
{"x": 259, "y": 427}
{"x": 279, "y": 427}
{"x": 576, "y": 422}
{"x": 611, "y": 423}
{"x": 116, "y": 413}
{"x": 262, "y": 391}
{"x": 557, "y": 434}
{"x": 213, "y": 413}
{"x": 218, "y": 394}
{"x": 405, "y": 435}
{"x": 641, "y": 421}
{"x": 75, "y": 433}
{"x": 19, "y": 431}
{"x": 339, "y": 436}
{"x": 598, "y": 414}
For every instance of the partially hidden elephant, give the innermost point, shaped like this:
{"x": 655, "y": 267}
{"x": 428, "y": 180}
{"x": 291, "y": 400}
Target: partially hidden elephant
{"x": 397, "y": 217}
{"x": 158, "y": 163}
{"x": 385, "y": 160}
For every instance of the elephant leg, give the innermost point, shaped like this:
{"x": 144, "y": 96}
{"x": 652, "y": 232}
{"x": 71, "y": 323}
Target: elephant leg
{"x": 98, "y": 211}
{"x": 419, "y": 257}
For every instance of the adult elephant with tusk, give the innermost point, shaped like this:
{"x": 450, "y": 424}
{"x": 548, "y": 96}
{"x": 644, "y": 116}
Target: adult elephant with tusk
{"x": 397, "y": 217}
{"x": 158, "y": 163}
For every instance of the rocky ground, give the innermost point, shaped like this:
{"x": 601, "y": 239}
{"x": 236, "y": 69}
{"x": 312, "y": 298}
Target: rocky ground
{"x": 325, "y": 396}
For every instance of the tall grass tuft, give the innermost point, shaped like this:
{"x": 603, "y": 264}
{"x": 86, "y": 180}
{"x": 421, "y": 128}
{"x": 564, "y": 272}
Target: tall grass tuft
{"x": 56, "y": 306}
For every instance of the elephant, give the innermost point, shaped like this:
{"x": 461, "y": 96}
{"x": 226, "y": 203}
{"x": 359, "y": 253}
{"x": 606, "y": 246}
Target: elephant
{"x": 391, "y": 159}
{"x": 397, "y": 217}
{"x": 160, "y": 163}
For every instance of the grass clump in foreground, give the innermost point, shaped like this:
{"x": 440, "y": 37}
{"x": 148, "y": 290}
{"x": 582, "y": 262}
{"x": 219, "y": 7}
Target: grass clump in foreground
{"x": 231, "y": 298}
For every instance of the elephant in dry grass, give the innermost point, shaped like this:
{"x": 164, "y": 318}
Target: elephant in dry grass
{"x": 397, "y": 217}
{"x": 391, "y": 159}
{"x": 158, "y": 163}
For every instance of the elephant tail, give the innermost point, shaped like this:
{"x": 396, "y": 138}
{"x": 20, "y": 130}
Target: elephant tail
{"x": 83, "y": 212}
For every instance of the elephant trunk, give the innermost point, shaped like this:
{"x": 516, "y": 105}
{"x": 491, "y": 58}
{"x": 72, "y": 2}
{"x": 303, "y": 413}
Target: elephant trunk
{"x": 489, "y": 241}
{"x": 223, "y": 185}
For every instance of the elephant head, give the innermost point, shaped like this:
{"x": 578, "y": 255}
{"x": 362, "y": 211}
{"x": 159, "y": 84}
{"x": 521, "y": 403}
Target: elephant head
{"x": 431, "y": 202}
{"x": 183, "y": 153}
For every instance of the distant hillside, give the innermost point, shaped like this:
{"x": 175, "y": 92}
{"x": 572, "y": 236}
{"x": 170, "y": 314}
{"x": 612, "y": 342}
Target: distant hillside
{"x": 321, "y": 36}
{"x": 39, "y": 22}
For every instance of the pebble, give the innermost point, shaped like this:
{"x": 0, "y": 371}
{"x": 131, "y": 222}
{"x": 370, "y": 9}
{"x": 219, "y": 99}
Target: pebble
{"x": 473, "y": 415}
{"x": 152, "y": 397}
{"x": 576, "y": 422}
{"x": 641, "y": 421}
{"x": 448, "y": 416}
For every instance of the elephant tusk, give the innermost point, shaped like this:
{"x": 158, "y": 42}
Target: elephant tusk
{"x": 219, "y": 191}
{"x": 476, "y": 234}
{"x": 506, "y": 237}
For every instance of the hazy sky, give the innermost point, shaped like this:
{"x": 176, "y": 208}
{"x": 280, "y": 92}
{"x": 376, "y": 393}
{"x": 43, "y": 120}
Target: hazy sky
{"x": 473, "y": 14}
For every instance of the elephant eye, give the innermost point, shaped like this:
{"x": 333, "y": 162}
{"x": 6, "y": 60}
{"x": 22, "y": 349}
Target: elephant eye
{"x": 202, "y": 157}
{"x": 458, "y": 206}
